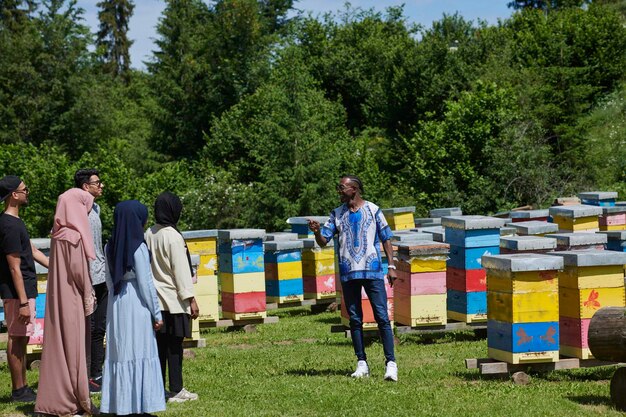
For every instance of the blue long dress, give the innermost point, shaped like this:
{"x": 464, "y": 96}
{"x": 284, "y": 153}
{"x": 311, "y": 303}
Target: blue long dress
{"x": 131, "y": 380}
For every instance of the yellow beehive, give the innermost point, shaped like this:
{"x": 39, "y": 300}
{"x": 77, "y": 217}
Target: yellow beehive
{"x": 421, "y": 310}
{"x": 522, "y": 282}
{"x": 583, "y": 303}
{"x": 423, "y": 264}
{"x": 318, "y": 267}
{"x": 523, "y": 307}
{"x": 208, "y": 265}
{"x": 283, "y": 270}
{"x": 525, "y": 357}
{"x": 605, "y": 276}
{"x": 239, "y": 283}
{"x": 605, "y": 228}
{"x": 578, "y": 224}
{"x": 244, "y": 316}
{"x": 467, "y": 318}
{"x": 318, "y": 254}
{"x": 202, "y": 246}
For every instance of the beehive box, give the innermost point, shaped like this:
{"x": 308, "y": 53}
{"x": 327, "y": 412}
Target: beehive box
{"x": 400, "y": 218}
{"x": 529, "y": 215}
{"x": 242, "y": 273}
{"x": 526, "y": 244}
{"x": 203, "y": 245}
{"x": 599, "y": 198}
{"x": 534, "y": 228}
{"x": 590, "y": 280}
{"x": 579, "y": 241}
{"x": 420, "y": 297}
{"x": 523, "y": 307}
{"x": 318, "y": 270}
{"x": 283, "y": 271}
{"x": 576, "y": 218}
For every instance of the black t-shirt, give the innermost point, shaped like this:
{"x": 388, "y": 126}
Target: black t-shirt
{"x": 14, "y": 239}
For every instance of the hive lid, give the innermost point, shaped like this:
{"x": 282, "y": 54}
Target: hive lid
{"x": 519, "y": 262}
{"x": 575, "y": 212}
{"x": 423, "y": 247}
{"x": 280, "y": 236}
{"x": 472, "y": 222}
{"x": 410, "y": 237}
{"x": 305, "y": 219}
{"x": 240, "y": 234}
{"x": 527, "y": 243}
{"x": 534, "y": 227}
{"x": 398, "y": 210}
{"x": 278, "y": 245}
{"x": 613, "y": 210}
{"x": 196, "y": 234}
{"x": 598, "y": 195}
{"x": 449, "y": 211}
{"x": 310, "y": 243}
{"x": 578, "y": 239}
{"x": 591, "y": 257}
{"x": 529, "y": 214}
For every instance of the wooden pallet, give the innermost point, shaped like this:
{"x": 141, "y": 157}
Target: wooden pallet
{"x": 317, "y": 306}
{"x": 240, "y": 323}
{"x": 441, "y": 328}
{"x": 488, "y": 366}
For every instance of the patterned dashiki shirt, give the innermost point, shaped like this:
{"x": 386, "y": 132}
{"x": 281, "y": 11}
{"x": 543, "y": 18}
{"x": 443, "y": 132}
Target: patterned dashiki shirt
{"x": 359, "y": 238}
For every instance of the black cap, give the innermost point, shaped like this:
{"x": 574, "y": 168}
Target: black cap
{"x": 8, "y": 184}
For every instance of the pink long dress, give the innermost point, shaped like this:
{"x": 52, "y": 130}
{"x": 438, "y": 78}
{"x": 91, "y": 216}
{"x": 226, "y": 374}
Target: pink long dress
{"x": 63, "y": 381}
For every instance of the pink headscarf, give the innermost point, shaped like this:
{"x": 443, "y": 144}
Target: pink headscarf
{"x": 72, "y": 213}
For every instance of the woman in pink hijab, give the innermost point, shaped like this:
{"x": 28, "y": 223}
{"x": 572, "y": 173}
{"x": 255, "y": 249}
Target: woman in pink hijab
{"x": 63, "y": 383}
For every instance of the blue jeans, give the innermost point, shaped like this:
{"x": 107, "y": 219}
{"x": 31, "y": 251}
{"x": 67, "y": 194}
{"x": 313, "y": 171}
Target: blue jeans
{"x": 375, "y": 290}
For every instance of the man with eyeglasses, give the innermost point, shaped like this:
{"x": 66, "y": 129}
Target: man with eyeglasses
{"x": 89, "y": 180}
{"x": 18, "y": 282}
{"x": 361, "y": 227}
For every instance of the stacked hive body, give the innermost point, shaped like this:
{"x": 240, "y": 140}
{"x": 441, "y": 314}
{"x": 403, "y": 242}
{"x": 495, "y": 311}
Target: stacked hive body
{"x": 529, "y": 215}
{"x": 470, "y": 238}
{"x": 613, "y": 218}
{"x": 242, "y": 273}
{"x": 523, "y": 307}
{"x": 590, "y": 280}
{"x": 318, "y": 270}
{"x": 526, "y": 244}
{"x": 579, "y": 241}
{"x": 400, "y": 218}
{"x": 533, "y": 228}
{"x": 283, "y": 271}
{"x": 420, "y": 290}
{"x": 599, "y": 198}
{"x": 579, "y": 218}
{"x": 204, "y": 244}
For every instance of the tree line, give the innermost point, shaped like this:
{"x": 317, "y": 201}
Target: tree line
{"x": 251, "y": 111}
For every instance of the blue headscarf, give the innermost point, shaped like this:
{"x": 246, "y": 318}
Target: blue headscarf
{"x": 129, "y": 219}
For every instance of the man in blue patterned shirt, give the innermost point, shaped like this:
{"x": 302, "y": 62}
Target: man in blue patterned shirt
{"x": 361, "y": 228}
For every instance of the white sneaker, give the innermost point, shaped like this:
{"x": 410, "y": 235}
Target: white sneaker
{"x": 362, "y": 370}
{"x": 391, "y": 373}
{"x": 183, "y": 396}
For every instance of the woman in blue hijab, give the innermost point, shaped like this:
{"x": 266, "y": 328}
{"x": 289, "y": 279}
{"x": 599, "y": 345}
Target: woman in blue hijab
{"x": 131, "y": 381}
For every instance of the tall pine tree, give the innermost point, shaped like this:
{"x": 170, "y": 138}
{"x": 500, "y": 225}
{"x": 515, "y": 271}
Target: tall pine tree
{"x": 112, "y": 41}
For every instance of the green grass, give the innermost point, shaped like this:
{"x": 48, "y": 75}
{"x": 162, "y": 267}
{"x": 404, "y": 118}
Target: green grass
{"x": 298, "y": 368}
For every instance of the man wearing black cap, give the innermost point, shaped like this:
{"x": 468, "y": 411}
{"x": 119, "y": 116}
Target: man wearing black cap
{"x": 18, "y": 282}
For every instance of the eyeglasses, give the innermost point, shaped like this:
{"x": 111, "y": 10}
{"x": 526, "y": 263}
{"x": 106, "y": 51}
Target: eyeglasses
{"x": 342, "y": 187}
{"x": 98, "y": 183}
{"x": 23, "y": 190}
